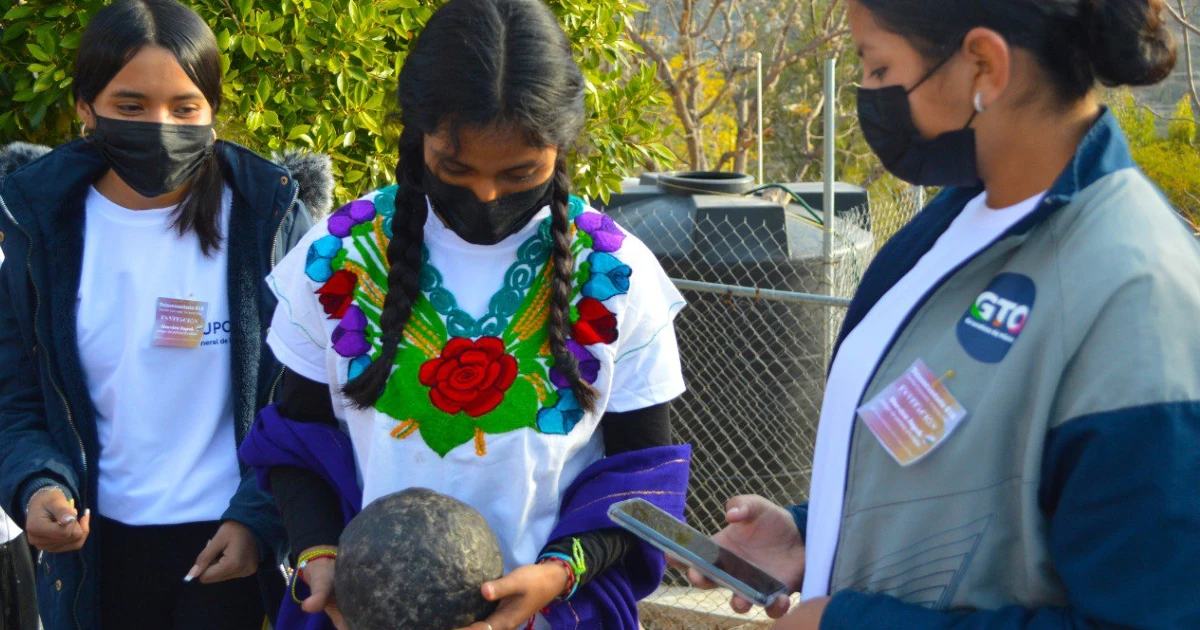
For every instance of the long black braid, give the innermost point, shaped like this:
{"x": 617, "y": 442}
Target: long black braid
{"x": 404, "y": 269}
{"x": 560, "y": 285}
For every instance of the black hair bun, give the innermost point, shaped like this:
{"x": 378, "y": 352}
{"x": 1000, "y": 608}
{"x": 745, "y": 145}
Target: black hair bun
{"x": 416, "y": 559}
{"x": 1130, "y": 42}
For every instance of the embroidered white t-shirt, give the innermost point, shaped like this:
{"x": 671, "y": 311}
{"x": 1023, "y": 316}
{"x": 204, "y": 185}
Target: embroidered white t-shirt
{"x": 154, "y": 333}
{"x": 974, "y": 230}
{"x": 477, "y": 417}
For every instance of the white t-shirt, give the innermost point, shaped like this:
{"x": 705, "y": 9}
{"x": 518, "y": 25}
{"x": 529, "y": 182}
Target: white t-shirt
{"x": 975, "y": 229}
{"x": 470, "y": 413}
{"x": 153, "y": 328}
{"x": 8, "y": 529}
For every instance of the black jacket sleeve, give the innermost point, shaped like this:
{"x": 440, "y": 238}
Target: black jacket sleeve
{"x": 310, "y": 508}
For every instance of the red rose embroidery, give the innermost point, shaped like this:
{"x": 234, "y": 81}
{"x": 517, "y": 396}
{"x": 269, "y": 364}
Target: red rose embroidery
{"x": 338, "y": 293}
{"x": 470, "y": 376}
{"x": 596, "y": 323}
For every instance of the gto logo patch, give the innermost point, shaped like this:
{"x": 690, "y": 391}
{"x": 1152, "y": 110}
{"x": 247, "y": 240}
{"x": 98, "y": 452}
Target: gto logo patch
{"x": 997, "y": 317}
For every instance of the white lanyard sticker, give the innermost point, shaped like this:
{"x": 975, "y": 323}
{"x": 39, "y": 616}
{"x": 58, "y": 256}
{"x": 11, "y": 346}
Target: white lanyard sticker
{"x": 913, "y": 415}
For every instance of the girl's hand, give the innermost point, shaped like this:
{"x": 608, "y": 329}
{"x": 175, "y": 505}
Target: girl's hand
{"x": 766, "y": 535}
{"x": 232, "y": 553}
{"x": 522, "y": 594}
{"x": 318, "y": 575}
{"x": 806, "y": 616}
{"x": 53, "y": 524}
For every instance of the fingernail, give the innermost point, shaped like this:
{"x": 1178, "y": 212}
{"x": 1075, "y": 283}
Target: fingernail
{"x": 734, "y": 511}
{"x": 87, "y": 512}
{"x": 192, "y": 574}
{"x": 68, "y": 519}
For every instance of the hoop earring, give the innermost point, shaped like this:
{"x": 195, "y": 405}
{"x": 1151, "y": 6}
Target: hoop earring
{"x": 979, "y": 108}
{"x": 83, "y": 131}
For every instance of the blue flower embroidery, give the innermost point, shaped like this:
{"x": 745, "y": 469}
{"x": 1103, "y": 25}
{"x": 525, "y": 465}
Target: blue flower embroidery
{"x": 609, "y": 277}
{"x": 563, "y": 416}
{"x": 318, "y": 265}
{"x": 357, "y": 366}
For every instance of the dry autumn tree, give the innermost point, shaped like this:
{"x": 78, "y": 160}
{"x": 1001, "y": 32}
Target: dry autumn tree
{"x": 703, "y": 51}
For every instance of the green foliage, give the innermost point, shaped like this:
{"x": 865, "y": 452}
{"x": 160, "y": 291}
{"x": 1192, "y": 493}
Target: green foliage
{"x": 1136, "y": 121}
{"x": 319, "y": 75}
{"x": 1171, "y": 159}
{"x": 1182, "y": 128}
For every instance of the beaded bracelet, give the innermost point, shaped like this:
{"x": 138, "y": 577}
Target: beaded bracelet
{"x": 41, "y": 490}
{"x": 303, "y": 561}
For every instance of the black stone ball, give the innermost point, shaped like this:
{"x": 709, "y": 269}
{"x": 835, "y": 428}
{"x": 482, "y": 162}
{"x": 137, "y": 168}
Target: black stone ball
{"x": 416, "y": 560}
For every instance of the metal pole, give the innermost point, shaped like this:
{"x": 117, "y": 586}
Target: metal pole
{"x": 828, "y": 207}
{"x": 758, "y": 62}
{"x": 774, "y": 295}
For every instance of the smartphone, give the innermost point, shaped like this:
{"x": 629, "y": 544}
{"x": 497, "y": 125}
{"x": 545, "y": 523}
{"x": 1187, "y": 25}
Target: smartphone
{"x": 687, "y": 545}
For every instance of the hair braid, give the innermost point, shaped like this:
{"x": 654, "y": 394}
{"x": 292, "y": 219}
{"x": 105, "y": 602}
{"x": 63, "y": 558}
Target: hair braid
{"x": 404, "y": 260}
{"x": 560, "y": 284}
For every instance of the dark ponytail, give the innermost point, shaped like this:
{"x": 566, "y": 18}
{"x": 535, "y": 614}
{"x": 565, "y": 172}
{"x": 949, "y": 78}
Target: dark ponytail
{"x": 560, "y": 288}
{"x": 201, "y": 211}
{"x": 1077, "y": 42}
{"x": 404, "y": 269}
{"x": 1130, "y": 43}
{"x": 113, "y": 36}
{"x": 503, "y": 64}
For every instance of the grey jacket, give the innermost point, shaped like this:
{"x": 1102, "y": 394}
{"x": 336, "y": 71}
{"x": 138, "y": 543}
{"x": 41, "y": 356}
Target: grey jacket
{"x": 1069, "y": 497}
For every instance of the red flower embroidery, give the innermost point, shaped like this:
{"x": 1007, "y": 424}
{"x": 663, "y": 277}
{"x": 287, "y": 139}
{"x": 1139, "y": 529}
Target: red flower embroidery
{"x": 470, "y": 376}
{"x": 596, "y": 323}
{"x": 338, "y": 293}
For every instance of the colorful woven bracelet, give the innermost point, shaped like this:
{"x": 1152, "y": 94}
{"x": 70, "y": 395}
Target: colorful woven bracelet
{"x": 579, "y": 563}
{"x": 572, "y": 575}
{"x": 303, "y": 561}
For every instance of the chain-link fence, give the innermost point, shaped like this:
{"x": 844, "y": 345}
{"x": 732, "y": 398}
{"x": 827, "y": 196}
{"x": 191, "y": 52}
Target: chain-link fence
{"x": 755, "y": 341}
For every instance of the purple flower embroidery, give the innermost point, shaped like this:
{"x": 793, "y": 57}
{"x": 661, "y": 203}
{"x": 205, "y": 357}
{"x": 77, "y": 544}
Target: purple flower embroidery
{"x": 606, "y": 235}
{"x": 350, "y": 215}
{"x": 589, "y": 366}
{"x": 350, "y": 336}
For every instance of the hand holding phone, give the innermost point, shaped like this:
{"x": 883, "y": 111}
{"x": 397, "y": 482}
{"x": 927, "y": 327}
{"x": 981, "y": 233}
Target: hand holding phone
{"x": 694, "y": 549}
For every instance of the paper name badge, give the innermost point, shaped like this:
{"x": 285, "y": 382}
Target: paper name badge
{"x": 179, "y": 323}
{"x": 913, "y": 415}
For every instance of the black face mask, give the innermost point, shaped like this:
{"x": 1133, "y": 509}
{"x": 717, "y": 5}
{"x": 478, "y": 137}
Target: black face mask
{"x": 152, "y": 158}
{"x": 484, "y": 223}
{"x": 887, "y": 124}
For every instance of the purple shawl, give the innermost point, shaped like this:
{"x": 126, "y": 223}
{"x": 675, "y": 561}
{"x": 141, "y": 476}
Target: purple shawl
{"x": 275, "y": 441}
{"x": 609, "y": 601}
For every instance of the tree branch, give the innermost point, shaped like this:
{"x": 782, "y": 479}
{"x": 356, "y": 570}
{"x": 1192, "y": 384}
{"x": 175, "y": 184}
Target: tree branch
{"x": 1160, "y": 116}
{"x": 1183, "y": 21}
{"x": 1191, "y": 74}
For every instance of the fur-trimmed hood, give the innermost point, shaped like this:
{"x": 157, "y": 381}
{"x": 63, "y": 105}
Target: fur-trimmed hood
{"x": 17, "y": 154}
{"x": 313, "y": 172}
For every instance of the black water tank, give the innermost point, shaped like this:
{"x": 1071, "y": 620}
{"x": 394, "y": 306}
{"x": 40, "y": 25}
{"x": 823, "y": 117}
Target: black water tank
{"x": 755, "y": 369}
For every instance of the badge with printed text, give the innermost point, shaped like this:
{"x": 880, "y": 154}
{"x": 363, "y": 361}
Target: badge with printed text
{"x": 996, "y": 318}
{"x": 913, "y": 415}
{"x": 179, "y": 323}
